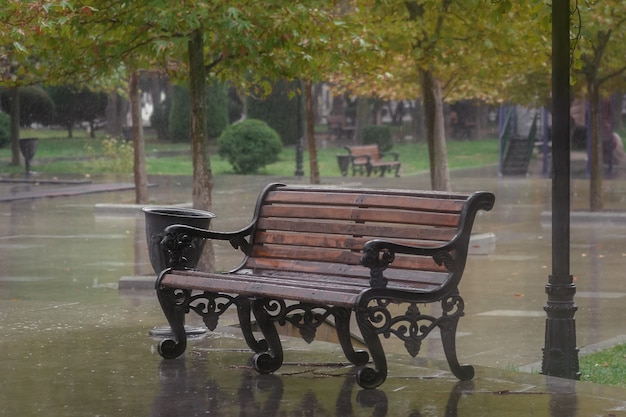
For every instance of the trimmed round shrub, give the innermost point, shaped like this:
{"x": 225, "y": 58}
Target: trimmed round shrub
{"x": 378, "y": 135}
{"x": 249, "y": 145}
{"x": 5, "y": 129}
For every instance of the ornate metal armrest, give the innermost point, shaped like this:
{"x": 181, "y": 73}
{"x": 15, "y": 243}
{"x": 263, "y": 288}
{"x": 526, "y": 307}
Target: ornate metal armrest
{"x": 378, "y": 254}
{"x": 179, "y": 236}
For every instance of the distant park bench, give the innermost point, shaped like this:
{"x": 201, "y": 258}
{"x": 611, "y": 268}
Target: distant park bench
{"x": 369, "y": 159}
{"x": 315, "y": 253}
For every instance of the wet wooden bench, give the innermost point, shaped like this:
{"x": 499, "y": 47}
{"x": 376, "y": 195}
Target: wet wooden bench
{"x": 368, "y": 158}
{"x": 315, "y": 254}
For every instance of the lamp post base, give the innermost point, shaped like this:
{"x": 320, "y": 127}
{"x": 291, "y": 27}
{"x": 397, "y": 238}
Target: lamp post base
{"x": 560, "y": 354}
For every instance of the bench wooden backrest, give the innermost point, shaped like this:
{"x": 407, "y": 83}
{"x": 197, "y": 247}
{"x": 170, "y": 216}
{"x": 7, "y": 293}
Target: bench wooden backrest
{"x": 322, "y": 230}
{"x": 363, "y": 150}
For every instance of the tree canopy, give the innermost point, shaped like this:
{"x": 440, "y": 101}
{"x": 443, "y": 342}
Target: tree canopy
{"x": 498, "y": 51}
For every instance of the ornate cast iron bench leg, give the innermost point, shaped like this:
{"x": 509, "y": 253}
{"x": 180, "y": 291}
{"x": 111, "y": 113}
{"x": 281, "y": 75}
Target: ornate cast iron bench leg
{"x": 371, "y": 377}
{"x": 244, "y": 312}
{"x": 342, "y": 325}
{"x": 171, "y": 305}
{"x": 176, "y": 303}
{"x": 270, "y": 360}
{"x": 412, "y": 327}
{"x": 447, "y": 328}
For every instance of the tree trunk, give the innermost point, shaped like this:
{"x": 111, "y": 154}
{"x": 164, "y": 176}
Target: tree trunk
{"x": 435, "y": 132}
{"x": 139, "y": 166}
{"x": 595, "y": 167}
{"x": 202, "y": 175}
{"x": 310, "y": 132}
{"x": 15, "y": 127}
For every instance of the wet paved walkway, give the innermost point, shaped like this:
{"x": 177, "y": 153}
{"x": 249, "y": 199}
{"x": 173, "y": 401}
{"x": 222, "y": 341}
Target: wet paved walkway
{"x": 75, "y": 345}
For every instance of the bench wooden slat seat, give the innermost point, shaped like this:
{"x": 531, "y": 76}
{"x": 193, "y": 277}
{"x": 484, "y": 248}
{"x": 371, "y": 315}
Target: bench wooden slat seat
{"x": 313, "y": 253}
{"x": 368, "y": 158}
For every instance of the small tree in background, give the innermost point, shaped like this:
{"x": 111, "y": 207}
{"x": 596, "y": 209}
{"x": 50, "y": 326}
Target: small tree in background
{"x": 249, "y": 145}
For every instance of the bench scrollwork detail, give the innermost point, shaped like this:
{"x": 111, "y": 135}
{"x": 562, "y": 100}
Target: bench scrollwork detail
{"x": 377, "y": 260}
{"x": 176, "y": 244}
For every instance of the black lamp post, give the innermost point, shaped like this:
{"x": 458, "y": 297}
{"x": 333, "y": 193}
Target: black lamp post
{"x": 560, "y": 355}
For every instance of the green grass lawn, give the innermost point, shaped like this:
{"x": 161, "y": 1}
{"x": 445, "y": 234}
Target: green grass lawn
{"x": 605, "y": 367}
{"x": 57, "y": 154}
